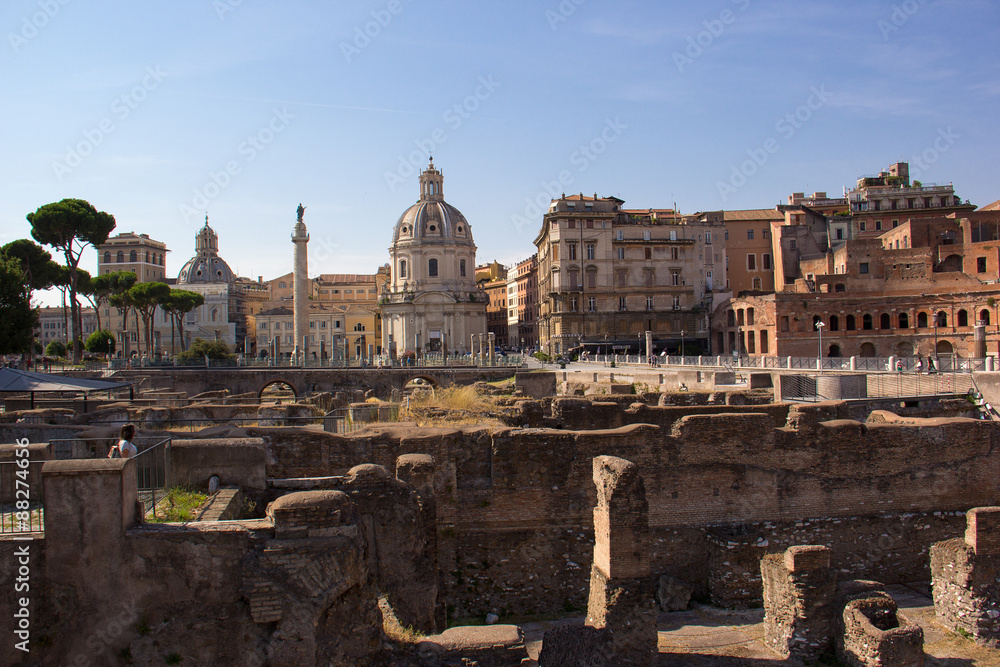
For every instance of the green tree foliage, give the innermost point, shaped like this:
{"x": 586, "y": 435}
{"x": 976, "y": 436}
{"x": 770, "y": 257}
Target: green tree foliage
{"x": 215, "y": 350}
{"x": 17, "y": 318}
{"x": 56, "y": 349}
{"x": 85, "y": 287}
{"x": 145, "y": 298}
{"x": 100, "y": 288}
{"x": 40, "y": 272}
{"x": 101, "y": 341}
{"x": 120, "y": 282}
{"x": 70, "y": 226}
{"x": 177, "y": 304}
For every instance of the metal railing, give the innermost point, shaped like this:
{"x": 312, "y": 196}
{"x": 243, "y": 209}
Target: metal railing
{"x": 348, "y": 420}
{"x": 152, "y": 461}
{"x": 427, "y": 361}
{"x": 942, "y": 364}
{"x": 152, "y": 472}
{"x": 22, "y": 507}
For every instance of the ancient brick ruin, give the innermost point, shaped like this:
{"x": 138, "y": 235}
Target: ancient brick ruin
{"x": 966, "y": 578}
{"x": 808, "y": 615}
{"x": 447, "y": 523}
{"x": 620, "y": 628}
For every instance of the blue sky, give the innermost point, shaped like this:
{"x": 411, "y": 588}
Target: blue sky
{"x": 159, "y": 111}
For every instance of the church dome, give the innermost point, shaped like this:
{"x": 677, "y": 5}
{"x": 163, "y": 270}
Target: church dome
{"x": 432, "y": 219}
{"x": 206, "y": 266}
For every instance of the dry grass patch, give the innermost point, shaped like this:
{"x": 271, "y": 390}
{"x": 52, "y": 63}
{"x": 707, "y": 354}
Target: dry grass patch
{"x": 451, "y": 406}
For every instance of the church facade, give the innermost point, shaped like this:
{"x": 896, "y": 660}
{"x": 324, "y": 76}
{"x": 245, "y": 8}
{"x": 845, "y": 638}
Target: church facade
{"x": 431, "y": 304}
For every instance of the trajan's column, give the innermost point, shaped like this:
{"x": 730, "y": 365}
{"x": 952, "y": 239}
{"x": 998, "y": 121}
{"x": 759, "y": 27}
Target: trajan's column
{"x": 300, "y": 302}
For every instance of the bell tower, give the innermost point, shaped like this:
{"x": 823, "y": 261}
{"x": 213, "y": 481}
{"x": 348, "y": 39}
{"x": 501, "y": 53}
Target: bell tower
{"x": 431, "y": 184}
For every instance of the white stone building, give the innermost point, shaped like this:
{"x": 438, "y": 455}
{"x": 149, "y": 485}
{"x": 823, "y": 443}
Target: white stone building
{"x": 432, "y": 303}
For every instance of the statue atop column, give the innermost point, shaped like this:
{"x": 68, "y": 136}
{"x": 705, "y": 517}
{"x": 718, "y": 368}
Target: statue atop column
{"x": 300, "y": 211}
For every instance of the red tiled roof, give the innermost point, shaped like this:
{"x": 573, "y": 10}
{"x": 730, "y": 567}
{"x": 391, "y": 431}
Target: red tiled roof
{"x": 753, "y": 214}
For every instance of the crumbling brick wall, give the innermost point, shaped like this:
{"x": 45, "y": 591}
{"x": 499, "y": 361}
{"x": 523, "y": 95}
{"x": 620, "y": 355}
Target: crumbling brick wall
{"x": 966, "y": 578}
{"x": 876, "y": 635}
{"x": 799, "y": 594}
{"x": 513, "y": 505}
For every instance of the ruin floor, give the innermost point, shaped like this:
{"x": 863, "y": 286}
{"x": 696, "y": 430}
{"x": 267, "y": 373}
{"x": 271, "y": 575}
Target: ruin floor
{"x": 711, "y": 637}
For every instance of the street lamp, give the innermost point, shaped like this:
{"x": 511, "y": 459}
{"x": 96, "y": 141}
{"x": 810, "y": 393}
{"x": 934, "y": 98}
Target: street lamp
{"x": 819, "y": 350}
{"x": 937, "y": 362}
{"x": 682, "y": 346}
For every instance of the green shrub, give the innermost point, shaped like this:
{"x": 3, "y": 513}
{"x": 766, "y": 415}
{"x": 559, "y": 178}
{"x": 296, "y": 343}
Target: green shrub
{"x": 214, "y": 349}
{"x": 55, "y": 349}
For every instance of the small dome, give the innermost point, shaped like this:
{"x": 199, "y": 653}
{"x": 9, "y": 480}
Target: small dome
{"x": 206, "y": 266}
{"x": 432, "y": 218}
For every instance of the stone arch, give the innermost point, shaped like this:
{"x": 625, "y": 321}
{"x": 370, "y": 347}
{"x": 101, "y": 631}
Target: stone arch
{"x": 904, "y": 349}
{"x": 951, "y": 264}
{"x": 835, "y": 351}
{"x": 945, "y": 347}
{"x": 278, "y": 381}
{"x": 867, "y": 350}
{"x": 428, "y": 379}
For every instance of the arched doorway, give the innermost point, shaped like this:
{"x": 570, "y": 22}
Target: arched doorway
{"x": 867, "y": 350}
{"x": 420, "y": 381}
{"x": 904, "y": 349}
{"x": 277, "y": 391}
{"x": 835, "y": 351}
{"x": 945, "y": 348}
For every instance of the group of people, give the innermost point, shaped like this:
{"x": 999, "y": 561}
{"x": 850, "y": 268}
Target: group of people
{"x": 918, "y": 366}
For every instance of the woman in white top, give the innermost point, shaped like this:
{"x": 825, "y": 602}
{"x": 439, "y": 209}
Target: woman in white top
{"x": 124, "y": 449}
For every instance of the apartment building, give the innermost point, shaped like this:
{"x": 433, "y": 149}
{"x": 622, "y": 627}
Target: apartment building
{"x": 606, "y": 275}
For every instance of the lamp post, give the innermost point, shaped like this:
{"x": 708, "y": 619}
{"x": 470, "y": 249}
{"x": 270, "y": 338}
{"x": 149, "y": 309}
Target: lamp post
{"x": 937, "y": 362}
{"x": 682, "y": 346}
{"x": 819, "y": 349}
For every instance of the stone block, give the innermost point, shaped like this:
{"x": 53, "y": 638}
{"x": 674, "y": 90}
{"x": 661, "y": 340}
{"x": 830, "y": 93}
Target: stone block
{"x": 673, "y": 594}
{"x": 578, "y": 645}
{"x": 874, "y": 635}
{"x": 799, "y": 596}
{"x": 807, "y": 557}
{"x": 312, "y": 514}
{"x": 982, "y": 531}
{"x": 621, "y": 519}
{"x": 236, "y": 461}
{"x": 484, "y": 646}
{"x": 966, "y": 589}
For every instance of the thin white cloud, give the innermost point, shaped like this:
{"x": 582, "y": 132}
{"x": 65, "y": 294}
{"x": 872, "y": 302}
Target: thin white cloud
{"x": 868, "y": 103}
